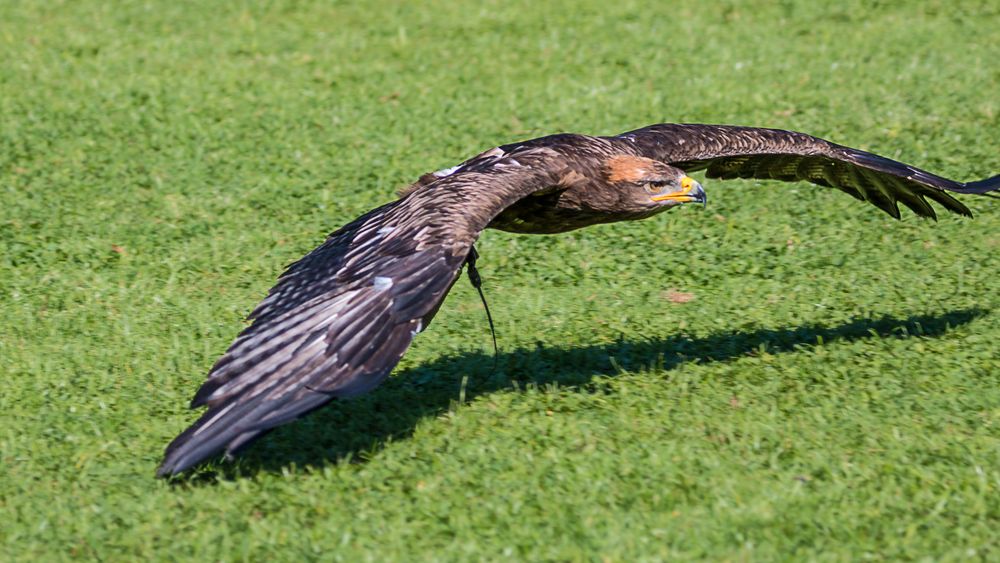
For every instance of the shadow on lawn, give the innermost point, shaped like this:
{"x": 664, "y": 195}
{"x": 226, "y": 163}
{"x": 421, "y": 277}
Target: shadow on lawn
{"x": 358, "y": 428}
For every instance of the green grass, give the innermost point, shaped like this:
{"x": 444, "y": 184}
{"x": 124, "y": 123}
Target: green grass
{"x": 831, "y": 392}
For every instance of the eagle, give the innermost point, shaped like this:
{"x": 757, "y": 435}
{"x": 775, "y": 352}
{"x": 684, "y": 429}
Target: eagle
{"x": 339, "y": 319}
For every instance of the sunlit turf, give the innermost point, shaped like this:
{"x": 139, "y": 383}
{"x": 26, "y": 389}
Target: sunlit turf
{"x": 789, "y": 374}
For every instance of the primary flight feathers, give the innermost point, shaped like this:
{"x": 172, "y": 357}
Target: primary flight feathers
{"x": 340, "y": 319}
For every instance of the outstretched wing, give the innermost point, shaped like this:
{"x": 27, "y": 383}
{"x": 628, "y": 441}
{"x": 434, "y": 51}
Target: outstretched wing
{"x": 340, "y": 318}
{"x": 747, "y": 152}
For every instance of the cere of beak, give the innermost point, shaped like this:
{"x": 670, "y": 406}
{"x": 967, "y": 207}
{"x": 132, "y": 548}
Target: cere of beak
{"x": 690, "y": 191}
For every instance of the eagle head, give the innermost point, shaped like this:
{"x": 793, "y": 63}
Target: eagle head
{"x": 650, "y": 184}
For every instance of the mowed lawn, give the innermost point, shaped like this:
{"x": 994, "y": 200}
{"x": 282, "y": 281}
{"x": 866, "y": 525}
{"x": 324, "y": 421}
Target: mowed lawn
{"x": 787, "y": 374}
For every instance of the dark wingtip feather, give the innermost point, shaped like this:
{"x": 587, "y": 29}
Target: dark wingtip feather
{"x": 174, "y": 460}
{"x": 182, "y": 454}
{"x": 188, "y": 450}
{"x": 917, "y": 204}
{"x": 213, "y": 432}
{"x": 200, "y": 398}
{"x": 889, "y": 206}
{"x": 169, "y": 468}
{"x": 981, "y": 186}
{"x": 948, "y": 202}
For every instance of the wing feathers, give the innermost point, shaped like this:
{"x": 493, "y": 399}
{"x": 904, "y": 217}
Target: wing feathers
{"x": 340, "y": 318}
{"x": 728, "y": 152}
{"x": 982, "y": 186}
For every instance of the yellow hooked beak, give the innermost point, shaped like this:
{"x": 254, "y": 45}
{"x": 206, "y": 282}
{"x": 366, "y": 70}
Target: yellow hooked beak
{"x": 690, "y": 190}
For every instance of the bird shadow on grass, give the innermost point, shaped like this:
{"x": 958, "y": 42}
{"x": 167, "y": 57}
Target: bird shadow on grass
{"x": 355, "y": 430}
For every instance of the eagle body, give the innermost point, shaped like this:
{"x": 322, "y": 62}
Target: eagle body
{"x": 340, "y": 318}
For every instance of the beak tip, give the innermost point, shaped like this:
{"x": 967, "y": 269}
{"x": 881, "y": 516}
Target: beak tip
{"x": 700, "y": 195}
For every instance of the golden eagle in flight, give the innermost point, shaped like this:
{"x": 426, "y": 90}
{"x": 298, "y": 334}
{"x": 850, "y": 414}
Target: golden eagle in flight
{"x": 340, "y": 319}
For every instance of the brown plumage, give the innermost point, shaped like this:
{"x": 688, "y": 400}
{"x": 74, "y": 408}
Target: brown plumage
{"x": 339, "y": 319}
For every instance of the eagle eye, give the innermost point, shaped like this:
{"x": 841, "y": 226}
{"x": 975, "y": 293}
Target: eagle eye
{"x": 655, "y": 186}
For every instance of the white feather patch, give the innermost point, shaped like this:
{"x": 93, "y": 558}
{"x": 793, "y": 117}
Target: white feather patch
{"x": 446, "y": 171}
